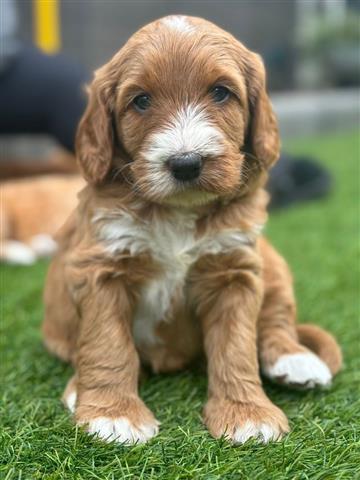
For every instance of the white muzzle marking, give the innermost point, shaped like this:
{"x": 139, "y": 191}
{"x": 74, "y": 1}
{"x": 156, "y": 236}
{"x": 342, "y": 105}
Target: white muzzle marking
{"x": 188, "y": 131}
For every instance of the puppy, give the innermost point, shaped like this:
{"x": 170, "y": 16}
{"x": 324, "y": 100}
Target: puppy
{"x": 163, "y": 261}
{"x": 32, "y": 210}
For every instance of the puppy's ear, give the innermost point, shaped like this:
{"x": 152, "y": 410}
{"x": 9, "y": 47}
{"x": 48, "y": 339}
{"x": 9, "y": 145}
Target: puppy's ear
{"x": 262, "y": 138}
{"x": 94, "y": 138}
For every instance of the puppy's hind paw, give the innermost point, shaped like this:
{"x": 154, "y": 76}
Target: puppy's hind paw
{"x": 69, "y": 397}
{"x": 70, "y": 401}
{"x": 305, "y": 370}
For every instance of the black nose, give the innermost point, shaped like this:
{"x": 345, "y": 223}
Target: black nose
{"x": 185, "y": 166}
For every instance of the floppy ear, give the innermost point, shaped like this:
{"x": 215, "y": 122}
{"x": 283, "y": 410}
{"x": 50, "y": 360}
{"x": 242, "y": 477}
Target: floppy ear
{"x": 94, "y": 138}
{"x": 262, "y": 138}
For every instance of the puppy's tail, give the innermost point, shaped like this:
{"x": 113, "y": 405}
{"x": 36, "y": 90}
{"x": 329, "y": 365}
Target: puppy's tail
{"x": 322, "y": 343}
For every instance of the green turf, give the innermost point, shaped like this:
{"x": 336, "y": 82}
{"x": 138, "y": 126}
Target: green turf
{"x": 319, "y": 240}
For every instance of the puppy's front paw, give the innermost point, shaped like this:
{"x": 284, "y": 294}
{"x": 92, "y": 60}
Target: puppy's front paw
{"x": 239, "y": 422}
{"x": 303, "y": 370}
{"x": 128, "y": 422}
{"x": 122, "y": 430}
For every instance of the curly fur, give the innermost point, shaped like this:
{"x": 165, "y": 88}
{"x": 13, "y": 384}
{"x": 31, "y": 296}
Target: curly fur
{"x": 159, "y": 272}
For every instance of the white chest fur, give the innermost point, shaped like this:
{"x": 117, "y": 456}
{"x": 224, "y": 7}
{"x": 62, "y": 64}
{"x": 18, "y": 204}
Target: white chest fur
{"x": 172, "y": 243}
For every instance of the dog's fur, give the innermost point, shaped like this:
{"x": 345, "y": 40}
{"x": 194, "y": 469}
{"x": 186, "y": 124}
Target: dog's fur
{"x": 153, "y": 271}
{"x": 31, "y": 212}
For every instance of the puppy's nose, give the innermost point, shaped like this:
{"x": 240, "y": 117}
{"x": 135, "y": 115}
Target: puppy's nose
{"x": 185, "y": 166}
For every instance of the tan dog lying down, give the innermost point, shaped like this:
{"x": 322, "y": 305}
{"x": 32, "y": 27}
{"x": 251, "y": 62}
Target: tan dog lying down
{"x": 163, "y": 261}
{"x": 32, "y": 210}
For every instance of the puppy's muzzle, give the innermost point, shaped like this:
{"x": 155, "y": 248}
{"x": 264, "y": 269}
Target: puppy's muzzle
{"x": 185, "y": 166}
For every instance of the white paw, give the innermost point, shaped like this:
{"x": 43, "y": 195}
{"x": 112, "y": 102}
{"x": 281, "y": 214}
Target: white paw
{"x": 70, "y": 401}
{"x": 17, "y": 253}
{"x": 43, "y": 245}
{"x": 262, "y": 432}
{"x": 122, "y": 430}
{"x": 302, "y": 369}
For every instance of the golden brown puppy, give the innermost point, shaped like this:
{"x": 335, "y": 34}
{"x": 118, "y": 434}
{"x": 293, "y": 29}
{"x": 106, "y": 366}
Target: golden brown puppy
{"x": 162, "y": 261}
{"x": 31, "y": 212}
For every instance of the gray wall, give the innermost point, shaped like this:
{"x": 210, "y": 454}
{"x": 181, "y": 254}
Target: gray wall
{"x": 93, "y": 30}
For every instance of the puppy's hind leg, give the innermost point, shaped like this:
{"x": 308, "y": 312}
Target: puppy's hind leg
{"x": 61, "y": 319}
{"x": 282, "y": 357}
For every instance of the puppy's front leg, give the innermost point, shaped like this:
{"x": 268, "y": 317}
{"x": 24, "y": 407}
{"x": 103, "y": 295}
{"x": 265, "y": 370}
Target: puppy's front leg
{"x": 228, "y": 293}
{"x": 107, "y": 368}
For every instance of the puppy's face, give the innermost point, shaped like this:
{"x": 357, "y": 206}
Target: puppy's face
{"x": 180, "y": 114}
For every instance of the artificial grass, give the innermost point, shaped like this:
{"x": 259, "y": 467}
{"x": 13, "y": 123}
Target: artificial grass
{"x": 319, "y": 239}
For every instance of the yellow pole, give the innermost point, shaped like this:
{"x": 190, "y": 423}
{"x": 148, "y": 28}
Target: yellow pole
{"x": 47, "y": 25}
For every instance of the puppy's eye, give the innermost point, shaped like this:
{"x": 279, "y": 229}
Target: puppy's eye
{"x": 220, "y": 94}
{"x": 142, "y": 102}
